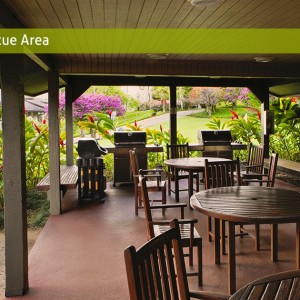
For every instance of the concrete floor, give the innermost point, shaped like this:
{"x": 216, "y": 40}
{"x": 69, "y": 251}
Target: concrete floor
{"x": 79, "y": 255}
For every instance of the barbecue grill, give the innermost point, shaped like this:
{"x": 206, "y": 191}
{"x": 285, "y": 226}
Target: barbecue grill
{"x": 216, "y": 143}
{"x": 91, "y": 181}
{"x": 125, "y": 141}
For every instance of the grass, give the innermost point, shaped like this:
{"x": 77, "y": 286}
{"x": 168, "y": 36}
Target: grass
{"x": 223, "y": 112}
{"x": 188, "y": 126}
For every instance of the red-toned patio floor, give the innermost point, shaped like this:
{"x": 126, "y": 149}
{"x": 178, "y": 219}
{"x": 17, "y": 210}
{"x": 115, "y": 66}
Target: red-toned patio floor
{"x": 79, "y": 255}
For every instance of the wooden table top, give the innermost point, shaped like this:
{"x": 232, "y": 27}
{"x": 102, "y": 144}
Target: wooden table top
{"x": 249, "y": 204}
{"x": 190, "y": 162}
{"x": 285, "y": 285}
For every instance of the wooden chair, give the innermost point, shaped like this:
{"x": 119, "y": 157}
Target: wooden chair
{"x": 269, "y": 180}
{"x": 157, "y": 270}
{"x": 221, "y": 174}
{"x": 154, "y": 184}
{"x": 189, "y": 235}
{"x": 254, "y": 167}
{"x": 179, "y": 151}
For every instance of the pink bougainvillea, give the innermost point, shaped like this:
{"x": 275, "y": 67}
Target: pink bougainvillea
{"x": 88, "y": 103}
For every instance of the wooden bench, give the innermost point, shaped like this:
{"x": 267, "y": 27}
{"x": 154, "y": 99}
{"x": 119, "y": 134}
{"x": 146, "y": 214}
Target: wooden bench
{"x": 68, "y": 179}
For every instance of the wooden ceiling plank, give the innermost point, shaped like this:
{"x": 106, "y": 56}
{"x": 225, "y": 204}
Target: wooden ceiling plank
{"x": 73, "y": 11}
{"x": 62, "y": 14}
{"x": 85, "y": 10}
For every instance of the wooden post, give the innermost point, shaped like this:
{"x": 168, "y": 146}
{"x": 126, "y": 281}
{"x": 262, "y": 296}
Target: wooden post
{"x": 54, "y": 155}
{"x": 262, "y": 93}
{"x": 14, "y": 173}
{"x": 173, "y": 115}
{"x": 69, "y": 126}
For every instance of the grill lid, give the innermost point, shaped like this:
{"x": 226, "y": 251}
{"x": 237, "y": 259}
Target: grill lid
{"x": 216, "y": 137}
{"x": 89, "y": 148}
{"x": 124, "y": 138}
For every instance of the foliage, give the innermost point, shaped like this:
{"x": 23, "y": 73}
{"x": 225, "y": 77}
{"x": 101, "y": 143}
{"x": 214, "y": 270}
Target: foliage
{"x": 37, "y": 207}
{"x": 88, "y": 103}
{"x": 101, "y": 123}
{"x": 246, "y": 129}
{"x": 286, "y": 139}
{"x": 217, "y": 124}
{"x": 206, "y": 97}
{"x": 37, "y": 151}
{"x": 161, "y": 93}
{"x": 232, "y": 94}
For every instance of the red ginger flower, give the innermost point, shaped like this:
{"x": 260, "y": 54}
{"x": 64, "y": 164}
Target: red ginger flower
{"x": 91, "y": 119}
{"x": 36, "y": 127}
{"x": 258, "y": 114}
{"x": 61, "y": 142}
{"x": 235, "y": 115}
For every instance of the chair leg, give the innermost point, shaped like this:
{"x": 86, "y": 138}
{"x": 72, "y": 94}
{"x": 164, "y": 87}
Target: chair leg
{"x": 257, "y": 237}
{"x": 191, "y": 256}
{"x": 169, "y": 185}
{"x": 200, "y": 263}
{"x": 164, "y": 200}
{"x": 136, "y": 201}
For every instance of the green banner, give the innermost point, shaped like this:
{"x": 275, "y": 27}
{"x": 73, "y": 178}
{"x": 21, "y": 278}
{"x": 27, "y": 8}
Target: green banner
{"x": 226, "y": 41}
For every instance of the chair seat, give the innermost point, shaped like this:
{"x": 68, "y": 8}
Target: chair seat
{"x": 185, "y": 230}
{"x": 153, "y": 185}
{"x": 251, "y": 175}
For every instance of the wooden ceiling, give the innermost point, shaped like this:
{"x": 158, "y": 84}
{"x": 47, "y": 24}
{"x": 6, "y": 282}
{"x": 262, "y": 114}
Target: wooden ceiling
{"x": 160, "y": 14}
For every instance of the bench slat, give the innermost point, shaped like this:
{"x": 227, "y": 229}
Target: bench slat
{"x": 68, "y": 178}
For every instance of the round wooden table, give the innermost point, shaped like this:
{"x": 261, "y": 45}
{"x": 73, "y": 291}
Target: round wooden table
{"x": 191, "y": 165}
{"x": 249, "y": 205}
{"x": 284, "y": 285}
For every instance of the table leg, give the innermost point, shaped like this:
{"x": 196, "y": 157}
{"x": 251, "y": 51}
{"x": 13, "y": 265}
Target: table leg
{"x": 274, "y": 242}
{"x": 217, "y": 241}
{"x": 176, "y": 186}
{"x": 231, "y": 259}
{"x": 297, "y": 245}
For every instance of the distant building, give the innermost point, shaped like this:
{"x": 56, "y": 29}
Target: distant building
{"x": 140, "y": 93}
{"x": 35, "y": 108}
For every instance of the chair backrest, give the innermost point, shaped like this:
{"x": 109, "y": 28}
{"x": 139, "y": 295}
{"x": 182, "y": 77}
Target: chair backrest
{"x": 157, "y": 269}
{"x": 272, "y": 169}
{"x": 222, "y": 173}
{"x": 145, "y": 198}
{"x": 177, "y": 151}
{"x": 255, "y": 158}
{"x": 134, "y": 165}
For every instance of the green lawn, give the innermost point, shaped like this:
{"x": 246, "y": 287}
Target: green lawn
{"x": 187, "y": 126}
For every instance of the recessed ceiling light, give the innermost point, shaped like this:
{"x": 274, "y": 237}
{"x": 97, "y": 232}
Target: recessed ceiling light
{"x": 263, "y": 59}
{"x": 205, "y": 2}
{"x": 157, "y": 56}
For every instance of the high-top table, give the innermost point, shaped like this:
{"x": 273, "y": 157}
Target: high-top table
{"x": 190, "y": 165}
{"x": 249, "y": 205}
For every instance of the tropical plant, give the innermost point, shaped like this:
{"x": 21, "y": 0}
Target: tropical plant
{"x": 161, "y": 93}
{"x": 286, "y": 138}
{"x": 217, "y": 124}
{"x": 246, "y": 129}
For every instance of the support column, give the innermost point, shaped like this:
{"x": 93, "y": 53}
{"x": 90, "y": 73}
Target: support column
{"x": 54, "y": 155}
{"x": 173, "y": 115}
{"x": 69, "y": 126}
{"x": 262, "y": 93}
{"x": 14, "y": 173}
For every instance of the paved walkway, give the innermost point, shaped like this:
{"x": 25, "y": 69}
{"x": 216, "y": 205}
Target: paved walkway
{"x": 165, "y": 117}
